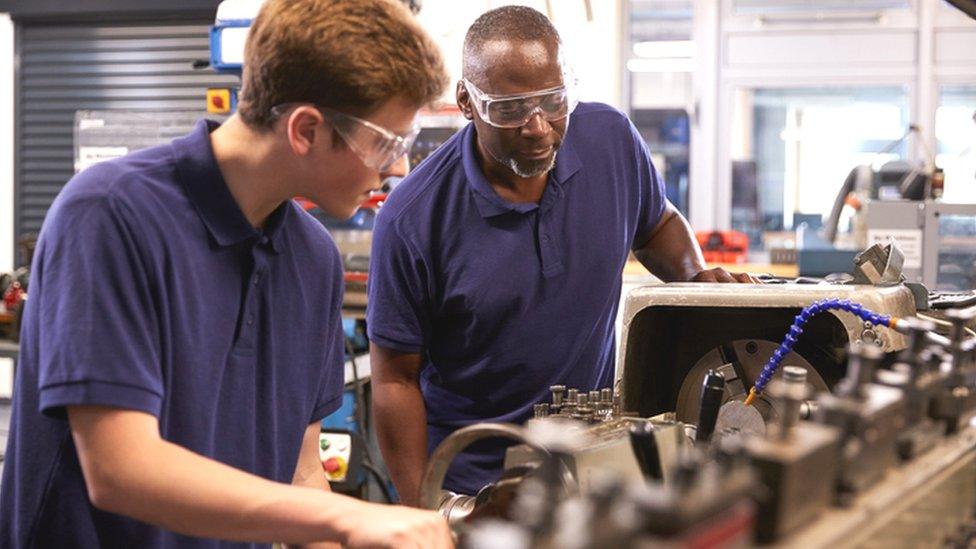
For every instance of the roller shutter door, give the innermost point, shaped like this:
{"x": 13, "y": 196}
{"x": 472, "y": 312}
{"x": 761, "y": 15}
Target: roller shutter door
{"x": 65, "y": 68}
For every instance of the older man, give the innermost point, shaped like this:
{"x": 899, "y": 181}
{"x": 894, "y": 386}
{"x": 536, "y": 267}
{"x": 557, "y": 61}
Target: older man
{"x": 496, "y": 266}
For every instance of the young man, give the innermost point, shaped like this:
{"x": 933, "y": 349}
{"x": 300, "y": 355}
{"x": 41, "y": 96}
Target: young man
{"x": 496, "y": 265}
{"x": 182, "y": 340}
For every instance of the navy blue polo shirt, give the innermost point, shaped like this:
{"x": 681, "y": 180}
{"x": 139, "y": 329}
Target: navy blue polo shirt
{"x": 504, "y": 299}
{"x": 150, "y": 291}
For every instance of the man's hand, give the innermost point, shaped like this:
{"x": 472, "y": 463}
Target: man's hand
{"x": 719, "y": 274}
{"x": 395, "y": 527}
{"x": 158, "y": 482}
{"x": 671, "y": 253}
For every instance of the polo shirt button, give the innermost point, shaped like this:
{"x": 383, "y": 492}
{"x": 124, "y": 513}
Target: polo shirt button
{"x": 250, "y": 320}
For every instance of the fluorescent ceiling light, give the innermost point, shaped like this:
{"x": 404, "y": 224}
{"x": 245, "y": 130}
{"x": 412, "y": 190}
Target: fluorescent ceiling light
{"x": 661, "y": 65}
{"x": 663, "y": 49}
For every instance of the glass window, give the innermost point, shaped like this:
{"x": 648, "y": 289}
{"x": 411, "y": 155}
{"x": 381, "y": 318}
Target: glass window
{"x": 957, "y": 252}
{"x": 792, "y": 149}
{"x": 759, "y": 7}
{"x": 660, "y": 64}
{"x": 955, "y": 130}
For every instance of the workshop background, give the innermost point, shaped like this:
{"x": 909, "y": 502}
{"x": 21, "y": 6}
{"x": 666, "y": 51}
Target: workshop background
{"x": 755, "y": 111}
{"x": 793, "y": 134}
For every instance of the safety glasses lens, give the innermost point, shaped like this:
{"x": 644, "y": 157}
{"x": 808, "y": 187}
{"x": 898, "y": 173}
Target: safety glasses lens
{"x": 381, "y": 152}
{"x": 516, "y": 112}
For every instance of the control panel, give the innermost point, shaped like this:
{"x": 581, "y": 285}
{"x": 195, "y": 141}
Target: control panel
{"x": 334, "y": 451}
{"x": 341, "y": 455}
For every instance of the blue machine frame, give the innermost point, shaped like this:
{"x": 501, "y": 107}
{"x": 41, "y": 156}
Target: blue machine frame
{"x": 216, "y": 45}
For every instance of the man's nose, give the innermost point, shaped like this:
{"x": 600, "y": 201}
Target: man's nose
{"x": 536, "y": 126}
{"x": 400, "y": 168}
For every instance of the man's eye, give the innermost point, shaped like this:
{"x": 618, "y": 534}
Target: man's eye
{"x": 554, "y": 103}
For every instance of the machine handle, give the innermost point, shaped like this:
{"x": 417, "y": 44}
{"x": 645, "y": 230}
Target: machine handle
{"x": 644, "y": 444}
{"x": 712, "y": 393}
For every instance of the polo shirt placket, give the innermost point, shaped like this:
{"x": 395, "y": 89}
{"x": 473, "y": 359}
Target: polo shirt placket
{"x": 261, "y": 255}
{"x": 550, "y": 248}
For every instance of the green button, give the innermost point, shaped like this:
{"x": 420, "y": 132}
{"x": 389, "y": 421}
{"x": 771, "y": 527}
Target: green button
{"x": 324, "y": 443}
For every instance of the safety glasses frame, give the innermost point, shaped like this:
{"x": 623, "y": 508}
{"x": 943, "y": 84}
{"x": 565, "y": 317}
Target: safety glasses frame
{"x": 389, "y": 147}
{"x": 482, "y": 103}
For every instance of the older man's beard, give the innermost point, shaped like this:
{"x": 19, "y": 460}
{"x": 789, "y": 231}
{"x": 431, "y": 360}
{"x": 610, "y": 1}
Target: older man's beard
{"x": 532, "y": 168}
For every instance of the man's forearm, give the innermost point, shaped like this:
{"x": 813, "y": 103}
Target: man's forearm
{"x": 161, "y": 483}
{"x": 672, "y": 252}
{"x": 401, "y": 427}
{"x": 164, "y": 484}
{"x": 309, "y": 474}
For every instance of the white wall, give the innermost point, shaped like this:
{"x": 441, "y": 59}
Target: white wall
{"x": 6, "y": 143}
{"x": 6, "y": 171}
{"x": 447, "y": 21}
{"x": 592, "y": 47}
{"x": 703, "y": 204}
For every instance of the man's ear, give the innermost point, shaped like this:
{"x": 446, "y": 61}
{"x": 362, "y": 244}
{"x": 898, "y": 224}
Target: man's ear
{"x": 463, "y": 100}
{"x": 304, "y": 127}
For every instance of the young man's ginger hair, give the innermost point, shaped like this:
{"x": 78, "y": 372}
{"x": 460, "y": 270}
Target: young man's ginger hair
{"x": 349, "y": 55}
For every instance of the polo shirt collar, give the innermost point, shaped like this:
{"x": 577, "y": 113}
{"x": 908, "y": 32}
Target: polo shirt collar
{"x": 205, "y": 186}
{"x": 487, "y": 200}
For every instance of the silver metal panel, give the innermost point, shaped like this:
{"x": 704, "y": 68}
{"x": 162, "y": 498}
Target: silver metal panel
{"x": 899, "y": 215}
{"x": 896, "y": 300}
{"x": 921, "y": 218}
{"x": 668, "y": 328}
{"x": 935, "y": 242}
{"x": 917, "y": 505}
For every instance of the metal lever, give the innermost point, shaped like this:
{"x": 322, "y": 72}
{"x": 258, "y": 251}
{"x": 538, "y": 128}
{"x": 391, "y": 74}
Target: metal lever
{"x": 644, "y": 444}
{"x": 862, "y": 363}
{"x": 791, "y": 390}
{"x": 712, "y": 393}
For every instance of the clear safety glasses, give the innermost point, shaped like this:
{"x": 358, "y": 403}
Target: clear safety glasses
{"x": 515, "y": 110}
{"x": 376, "y": 146}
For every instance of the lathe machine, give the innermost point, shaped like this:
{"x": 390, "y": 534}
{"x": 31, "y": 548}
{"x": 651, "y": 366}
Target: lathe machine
{"x": 801, "y": 415}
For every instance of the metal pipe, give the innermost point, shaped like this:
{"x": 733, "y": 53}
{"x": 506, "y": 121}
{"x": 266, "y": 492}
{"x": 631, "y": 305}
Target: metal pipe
{"x": 450, "y": 447}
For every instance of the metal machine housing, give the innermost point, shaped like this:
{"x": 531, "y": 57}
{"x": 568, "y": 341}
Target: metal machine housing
{"x": 669, "y": 328}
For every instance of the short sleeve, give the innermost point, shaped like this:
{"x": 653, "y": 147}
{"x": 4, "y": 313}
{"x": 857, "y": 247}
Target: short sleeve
{"x": 651, "y": 194}
{"x": 398, "y": 315}
{"x": 332, "y": 372}
{"x": 98, "y": 336}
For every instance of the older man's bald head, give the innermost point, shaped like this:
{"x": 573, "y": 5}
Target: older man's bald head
{"x": 506, "y": 31}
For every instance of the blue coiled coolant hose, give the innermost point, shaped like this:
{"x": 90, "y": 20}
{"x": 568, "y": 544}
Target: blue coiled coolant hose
{"x": 797, "y": 328}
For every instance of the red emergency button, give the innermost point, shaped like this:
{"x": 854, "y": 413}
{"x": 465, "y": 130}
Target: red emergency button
{"x": 218, "y": 100}
{"x": 335, "y": 468}
{"x": 331, "y": 465}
